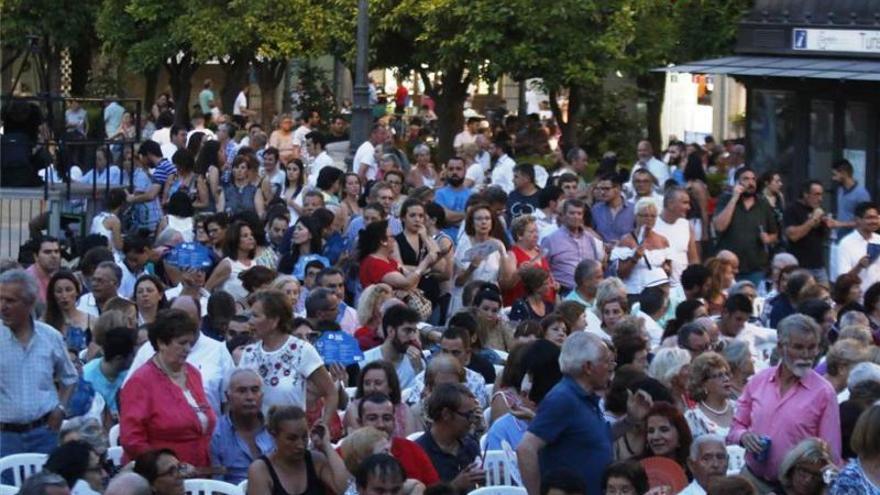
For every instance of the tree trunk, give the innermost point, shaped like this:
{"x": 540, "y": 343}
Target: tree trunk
{"x": 151, "y": 79}
{"x": 81, "y": 63}
{"x": 449, "y": 98}
{"x": 270, "y": 73}
{"x": 651, "y": 88}
{"x": 235, "y": 71}
{"x": 180, "y": 77}
{"x": 568, "y": 124}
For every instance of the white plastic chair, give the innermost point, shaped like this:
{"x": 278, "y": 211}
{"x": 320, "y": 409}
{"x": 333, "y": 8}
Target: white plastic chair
{"x": 115, "y": 454}
{"x": 502, "y": 354}
{"x": 499, "y": 490}
{"x": 22, "y": 466}
{"x": 487, "y": 416}
{"x": 209, "y": 487}
{"x": 735, "y": 459}
{"x": 243, "y": 487}
{"x": 497, "y": 469}
{"x": 113, "y": 436}
{"x": 483, "y": 439}
{"x": 8, "y": 490}
{"x": 350, "y": 392}
{"x": 415, "y": 436}
{"x": 490, "y": 388}
{"x": 499, "y": 369}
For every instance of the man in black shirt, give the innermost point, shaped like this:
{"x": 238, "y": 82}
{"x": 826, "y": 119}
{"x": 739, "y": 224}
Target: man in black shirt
{"x": 807, "y": 229}
{"x": 523, "y": 200}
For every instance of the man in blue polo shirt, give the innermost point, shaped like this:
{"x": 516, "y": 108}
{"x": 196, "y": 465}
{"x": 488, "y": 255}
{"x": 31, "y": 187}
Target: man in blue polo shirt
{"x": 569, "y": 430}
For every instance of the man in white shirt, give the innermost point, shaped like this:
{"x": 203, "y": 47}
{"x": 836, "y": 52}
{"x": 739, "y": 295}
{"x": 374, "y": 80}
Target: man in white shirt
{"x": 176, "y": 141}
{"x": 401, "y": 346}
{"x": 707, "y": 461}
{"x": 469, "y": 134}
{"x": 364, "y": 162}
{"x": 315, "y": 142}
{"x": 736, "y": 160}
{"x": 105, "y": 285}
{"x": 334, "y": 280}
{"x": 476, "y": 176}
{"x": 853, "y": 254}
{"x": 658, "y": 169}
{"x": 502, "y": 172}
{"x": 209, "y": 356}
{"x": 734, "y": 325}
{"x": 549, "y": 200}
{"x": 674, "y": 226}
{"x": 301, "y": 133}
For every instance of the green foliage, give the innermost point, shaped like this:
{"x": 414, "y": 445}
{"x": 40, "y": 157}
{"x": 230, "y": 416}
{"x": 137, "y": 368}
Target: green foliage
{"x": 315, "y": 93}
{"x": 68, "y": 23}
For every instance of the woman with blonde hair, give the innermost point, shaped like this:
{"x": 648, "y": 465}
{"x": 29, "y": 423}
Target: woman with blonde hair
{"x": 611, "y": 305}
{"x": 721, "y": 278}
{"x": 671, "y": 367}
{"x": 290, "y": 287}
{"x": 709, "y": 384}
{"x": 369, "y": 313}
{"x": 643, "y": 255}
{"x": 802, "y": 469}
{"x": 363, "y": 443}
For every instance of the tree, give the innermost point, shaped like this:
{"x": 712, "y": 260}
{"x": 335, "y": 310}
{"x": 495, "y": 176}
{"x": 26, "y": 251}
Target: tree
{"x": 56, "y": 24}
{"x": 149, "y": 34}
{"x": 454, "y": 39}
{"x": 677, "y": 32}
{"x": 571, "y": 45}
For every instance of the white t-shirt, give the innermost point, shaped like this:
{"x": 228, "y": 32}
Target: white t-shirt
{"x": 299, "y": 139}
{"x": 240, "y": 101}
{"x": 850, "y": 250}
{"x": 477, "y": 173}
{"x": 285, "y": 371}
{"x": 405, "y": 372}
{"x": 320, "y": 161}
{"x": 366, "y": 153}
{"x": 502, "y": 175}
{"x": 462, "y": 138}
{"x": 678, "y": 234}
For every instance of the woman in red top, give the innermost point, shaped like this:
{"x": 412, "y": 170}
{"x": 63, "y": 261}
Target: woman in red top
{"x": 163, "y": 405}
{"x": 525, "y": 252}
{"x": 377, "y": 248}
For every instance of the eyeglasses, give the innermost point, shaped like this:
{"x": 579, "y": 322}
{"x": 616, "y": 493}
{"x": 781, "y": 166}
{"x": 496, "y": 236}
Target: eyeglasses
{"x": 718, "y": 375}
{"x": 175, "y": 470}
{"x": 469, "y": 415}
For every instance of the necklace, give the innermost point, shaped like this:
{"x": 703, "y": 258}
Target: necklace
{"x": 722, "y": 412}
{"x": 172, "y": 375}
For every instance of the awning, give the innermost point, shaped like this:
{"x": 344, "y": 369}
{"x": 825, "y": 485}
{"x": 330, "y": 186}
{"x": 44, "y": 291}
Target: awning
{"x": 796, "y": 67}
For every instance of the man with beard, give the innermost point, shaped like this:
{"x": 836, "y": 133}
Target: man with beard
{"x": 401, "y": 346}
{"x": 47, "y": 261}
{"x": 746, "y": 226}
{"x": 570, "y": 430}
{"x": 453, "y": 196}
{"x": 786, "y": 403}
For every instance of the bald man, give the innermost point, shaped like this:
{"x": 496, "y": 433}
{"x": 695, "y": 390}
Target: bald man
{"x": 128, "y": 483}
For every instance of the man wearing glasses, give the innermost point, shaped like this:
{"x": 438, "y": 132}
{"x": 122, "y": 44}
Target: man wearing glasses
{"x": 448, "y": 443}
{"x": 613, "y": 216}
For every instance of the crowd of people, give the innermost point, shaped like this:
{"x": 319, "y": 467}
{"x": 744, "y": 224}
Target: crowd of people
{"x": 597, "y": 325}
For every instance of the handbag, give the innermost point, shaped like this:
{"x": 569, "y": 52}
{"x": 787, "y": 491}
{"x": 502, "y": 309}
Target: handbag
{"x": 416, "y": 300}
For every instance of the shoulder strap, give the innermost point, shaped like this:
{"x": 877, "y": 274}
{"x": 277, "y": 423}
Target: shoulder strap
{"x": 276, "y": 483}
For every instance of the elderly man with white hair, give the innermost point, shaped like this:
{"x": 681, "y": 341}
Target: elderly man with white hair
{"x": 786, "y": 404}
{"x": 241, "y": 436}
{"x": 863, "y": 372}
{"x": 569, "y": 430}
{"x": 707, "y": 460}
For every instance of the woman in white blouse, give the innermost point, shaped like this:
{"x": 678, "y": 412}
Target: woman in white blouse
{"x": 479, "y": 253}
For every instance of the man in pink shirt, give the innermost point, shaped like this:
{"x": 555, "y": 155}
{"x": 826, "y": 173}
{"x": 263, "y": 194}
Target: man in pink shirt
{"x": 47, "y": 261}
{"x": 786, "y": 403}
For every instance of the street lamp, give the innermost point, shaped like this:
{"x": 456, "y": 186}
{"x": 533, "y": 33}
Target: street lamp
{"x": 361, "y": 111}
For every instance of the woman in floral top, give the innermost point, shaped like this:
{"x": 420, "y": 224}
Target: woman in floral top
{"x": 285, "y": 362}
{"x": 862, "y": 475}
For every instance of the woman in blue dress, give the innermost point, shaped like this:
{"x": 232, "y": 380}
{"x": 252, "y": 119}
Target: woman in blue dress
{"x": 62, "y": 294}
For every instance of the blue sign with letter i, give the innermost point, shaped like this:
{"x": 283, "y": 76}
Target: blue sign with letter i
{"x": 800, "y": 39}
